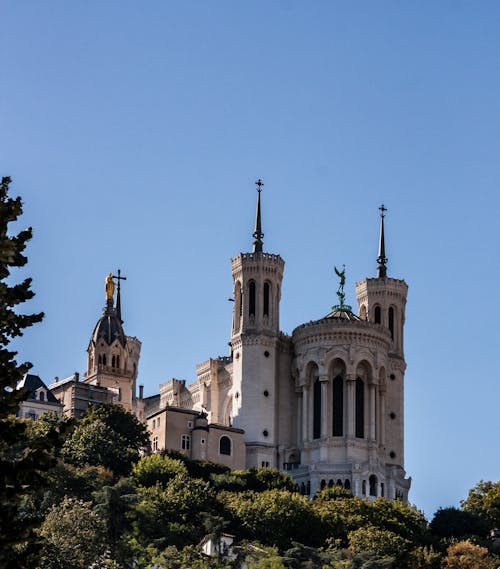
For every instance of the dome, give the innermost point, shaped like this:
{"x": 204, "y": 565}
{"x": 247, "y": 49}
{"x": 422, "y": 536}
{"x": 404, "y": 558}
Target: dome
{"x": 343, "y": 312}
{"x": 109, "y": 327}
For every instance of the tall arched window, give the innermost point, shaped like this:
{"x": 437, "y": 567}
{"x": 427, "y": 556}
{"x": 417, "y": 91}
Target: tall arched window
{"x": 103, "y": 359}
{"x": 266, "y": 299}
{"x": 99, "y": 360}
{"x": 237, "y": 306}
{"x": 225, "y": 445}
{"x": 317, "y": 410}
{"x": 360, "y": 408}
{"x": 378, "y": 315}
{"x": 373, "y": 485}
{"x": 251, "y": 298}
{"x": 117, "y": 361}
{"x": 338, "y": 406}
{"x": 113, "y": 361}
{"x": 391, "y": 321}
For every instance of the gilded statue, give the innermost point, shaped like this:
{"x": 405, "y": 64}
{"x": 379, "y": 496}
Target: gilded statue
{"x": 110, "y": 286}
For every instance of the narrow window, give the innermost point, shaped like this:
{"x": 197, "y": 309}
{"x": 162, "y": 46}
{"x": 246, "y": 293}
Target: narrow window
{"x": 99, "y": 360}
{"x": 113, "y": 361}
{"x": 225, "y": 445}
{"x": 185, "y": 442}
{"x": 363, "y": 488}
{"x": 360, "y": 408}
{"x": 117, "y": 361}
{"x": 266, "y": 299}
{"x": 338, "y": 406}
{"x": 378, "y": 315}
{"x": 317, "y": 410}
{"x": 158, "y": 422}
{"x": 155, "y": 444}
{"x": 323, "y": 484}
{"x": 382, "y": 489}
{"x": 347, "y": 484}
{"x": 104, "y": 359}
{"x": 373, "y": 485}
{"x": 251, "y": 298}
{"x": 42, "y": 396}
{"x": 391, "y": 321}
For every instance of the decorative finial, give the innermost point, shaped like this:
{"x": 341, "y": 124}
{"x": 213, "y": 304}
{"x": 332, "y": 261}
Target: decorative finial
{"x": 257, "y": 234}
{"x": 110, "y": 288}
{"x": 382, "y": 259}
{"x": 119, "y": 278}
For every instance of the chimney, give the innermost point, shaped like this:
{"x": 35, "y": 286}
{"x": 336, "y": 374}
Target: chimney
{"x": 76, "y": 376}
{"x": 141, "y": 392}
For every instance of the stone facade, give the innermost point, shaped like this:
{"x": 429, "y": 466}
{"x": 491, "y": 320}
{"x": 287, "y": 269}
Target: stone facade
{"x": 325, "y": 403}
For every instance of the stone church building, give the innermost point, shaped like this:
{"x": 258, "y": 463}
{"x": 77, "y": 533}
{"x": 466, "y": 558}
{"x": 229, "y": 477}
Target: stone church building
{"x": 324, "y": 403}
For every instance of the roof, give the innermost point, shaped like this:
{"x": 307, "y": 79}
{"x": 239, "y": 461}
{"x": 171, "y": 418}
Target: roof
{"x": 109, "y": 327}
{"x": 32, "y": 383}
{"x": 343, "y": 312}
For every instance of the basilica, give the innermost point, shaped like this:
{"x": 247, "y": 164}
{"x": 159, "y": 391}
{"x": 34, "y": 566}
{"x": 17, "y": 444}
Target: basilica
{"x": 324, "y": 403}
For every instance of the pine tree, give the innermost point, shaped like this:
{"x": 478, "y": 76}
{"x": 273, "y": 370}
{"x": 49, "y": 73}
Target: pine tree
{"x": 21, "y": 465}
{"x": 11, "y": 323}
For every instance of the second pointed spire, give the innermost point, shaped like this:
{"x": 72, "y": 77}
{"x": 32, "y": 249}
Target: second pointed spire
{"x": 257, "y": 234}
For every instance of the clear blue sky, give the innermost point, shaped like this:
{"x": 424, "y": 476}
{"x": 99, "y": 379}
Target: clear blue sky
{"x": 134, "y": 132}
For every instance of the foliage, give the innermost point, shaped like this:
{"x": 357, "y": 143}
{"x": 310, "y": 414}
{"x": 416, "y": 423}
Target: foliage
{"x": 484, "y": 501}
{"x": 454, "y": 523}
{"x": 188, "y": 558}
{"x": 466, "y": 555}
{"x": 21, "y": 465}
{"x": 274, "y": 517}
{"x": 157, "y": 469}
{"x": 171, "y": 515}
{"x": 108, "y": 435}
{"x": 384, "y": 543}
{"x": 73, "y": 534}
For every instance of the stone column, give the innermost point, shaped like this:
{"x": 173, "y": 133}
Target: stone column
{"x": 324, "y": 405}
{"x": 382, "y": 417}
{"x": 372, "y": 393}
{"x": 300, "y": 436}
{"x": 305, "y": 414}
{"x": 350, "y": 407}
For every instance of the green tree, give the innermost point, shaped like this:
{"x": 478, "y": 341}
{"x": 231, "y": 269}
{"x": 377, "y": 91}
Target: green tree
{"x": 73, "y": 535}
{"x": 484, "y": 501}
{"x": 454, "y": 523}
{"x": 157, "y": 468}
{"x": 21, "y": 466}
{"x": 383, "y": 542}
{"x": 108, "y": 435}
{"x": 274, "y": 517}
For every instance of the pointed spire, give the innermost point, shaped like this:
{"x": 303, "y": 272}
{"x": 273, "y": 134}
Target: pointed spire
{"x": 119, "y": 278}
{"x": 257, "y": 234}
{"x": 382, "y": 259}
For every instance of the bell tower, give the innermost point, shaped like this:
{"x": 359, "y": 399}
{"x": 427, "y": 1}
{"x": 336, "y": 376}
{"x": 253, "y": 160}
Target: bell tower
{"x": 113, "y": 357}
{"x": 257, "y": 278}
{"x": 382, "y": 300}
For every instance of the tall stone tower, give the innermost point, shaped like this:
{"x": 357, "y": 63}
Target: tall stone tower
{"x": 255, "y": 345}
{"x": 113, "y": 357}
{"x": 382, "y": 301}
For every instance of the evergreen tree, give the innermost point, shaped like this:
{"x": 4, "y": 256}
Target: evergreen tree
{"x": 20, "y": 467}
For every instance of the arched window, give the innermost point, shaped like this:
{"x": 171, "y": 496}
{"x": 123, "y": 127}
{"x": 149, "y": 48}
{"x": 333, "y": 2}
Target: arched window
{"x": 391, "y": 321}
{"x": 302, "y": 488}
{"x": 373, "y": 485}
{"x": 266, "y": 299}
{"x": 362, "y": 312}
{"x": 378, "y": 315}
{"x": 42, "y": 396}
{"x": 360, "y": 408}
{"x": 338, "y": 406}
{"x": 317, "y": 410}
{"x": 323, "y": 484}
{"x": 225, "y": 445}
{"x": 237, "y": 306}
{"x": 330, "y": 483}
{"x": 99, "y": 360}
{"x": 103, "y": 359}
{"x": 363, "y": 488}
{"x": 113, "y": 361}
{"x": 382, "y": 489}
{"x": 347, "y": 484}
{"x": 117, "y": 361}
{"x": 251, "y": 298}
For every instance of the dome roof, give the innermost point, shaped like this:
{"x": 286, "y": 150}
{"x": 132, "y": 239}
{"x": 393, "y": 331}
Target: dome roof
{"x": 343, "y": 312}
{"x": 109, "y": 327}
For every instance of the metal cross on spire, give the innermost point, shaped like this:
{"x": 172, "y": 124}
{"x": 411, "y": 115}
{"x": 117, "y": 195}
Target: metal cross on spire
{"x": 382, "y": 259}
{"x": 257, "y": 234}
{"x": 119, "y": 278}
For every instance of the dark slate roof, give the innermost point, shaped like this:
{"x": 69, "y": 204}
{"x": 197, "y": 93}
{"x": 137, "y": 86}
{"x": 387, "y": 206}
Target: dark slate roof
{"x": 109, "y": 327}
{"x": 32, "y": 383}
{"x": 343, "y": 313}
